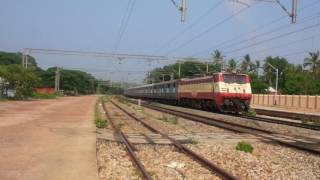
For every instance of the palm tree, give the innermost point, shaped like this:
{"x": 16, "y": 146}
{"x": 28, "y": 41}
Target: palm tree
{"x": 232, "y": 65}
{"x": 246, "y": 64}
{"x": 218, "y": 59}
{"x": 313, "y": 62}
{"x": 256, "y": 67}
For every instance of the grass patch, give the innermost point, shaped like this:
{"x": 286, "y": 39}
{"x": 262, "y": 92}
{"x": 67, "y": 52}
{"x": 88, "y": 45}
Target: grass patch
{"x": 169, "y": 119}
{"x": 122, "y": 99}
{"x": 100, "y": 123}
{"x": 244, "y": 146}
{"x": 251, "y": 113}
{"x": 44, "y": 96}
{"x": 311, "y": 122}
{"x": 193, "y": 141}
{"x": 120, "y": 125}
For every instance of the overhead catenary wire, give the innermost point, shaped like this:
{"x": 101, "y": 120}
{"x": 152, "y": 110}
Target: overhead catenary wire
{"x": 281, "y": 46}
{"x": 279, "y": 28}
{"x": 273, "y": 38}
{"x": 218, "y": 46}
{"x": 199, "y": 35}
{"x": 124, "y": 23}
{"x": 144, "y": 57}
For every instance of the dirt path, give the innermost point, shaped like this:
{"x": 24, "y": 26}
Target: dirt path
{"x": 48, "y": 139}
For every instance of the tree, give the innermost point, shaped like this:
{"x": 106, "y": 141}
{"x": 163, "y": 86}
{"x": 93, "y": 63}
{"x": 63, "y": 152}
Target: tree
{"x": 269, "y": 72}
{"x": 313, "y": 62}
{"x": 188, "y": 68}
{"x": 7, "y": 58}
{"x": 232, "y": 65}
{"x": 218, "y": 61}
{"x": 256, "y": 67}
{"x": 20, "y": 79}
{"x": 246, "y": 64}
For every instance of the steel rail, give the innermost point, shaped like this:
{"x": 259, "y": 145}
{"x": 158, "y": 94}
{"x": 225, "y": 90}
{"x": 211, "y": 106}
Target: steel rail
{"x": 209, "y": 165}
{"x": 283, "y": 122}
{"x": 230, "y": 126}
{"x": 129, "y": 147}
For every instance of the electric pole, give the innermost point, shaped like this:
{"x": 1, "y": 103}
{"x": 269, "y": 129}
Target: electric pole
{"x": 183, "y": 10}
{"x": 57, "y": 80}
{"x": 294, "y": 11}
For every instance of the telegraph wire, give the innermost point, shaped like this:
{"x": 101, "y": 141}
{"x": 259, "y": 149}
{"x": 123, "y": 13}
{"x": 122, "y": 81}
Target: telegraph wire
{"x": 124, "y": 23}
{"x": 283, "y": 45}
{"x": 254, "y": 30}
{"x": 197, "y": 21}
{"x": 305, "y": 20}
{"x": 275, "y": 37}
{"x": 208, "y": 30}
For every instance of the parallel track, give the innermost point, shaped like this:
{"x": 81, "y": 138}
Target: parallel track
{"x": 232, "y": 127}
{"x": 205, "y": 162}
{"x": 129, "y": 146}
{"x": 283, "y": 122}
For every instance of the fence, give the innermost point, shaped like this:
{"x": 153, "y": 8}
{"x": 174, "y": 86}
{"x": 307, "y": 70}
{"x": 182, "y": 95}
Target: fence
{"x": 302, "y": 102}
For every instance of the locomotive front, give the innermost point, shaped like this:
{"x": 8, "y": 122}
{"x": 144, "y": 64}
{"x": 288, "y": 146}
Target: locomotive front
{"x": 232, "y": 91}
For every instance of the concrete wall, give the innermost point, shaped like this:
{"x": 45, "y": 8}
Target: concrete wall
{"x": 301, "y": 102}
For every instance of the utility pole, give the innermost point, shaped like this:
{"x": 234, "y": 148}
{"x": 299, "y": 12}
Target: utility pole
{"x": 179, "y": 70}
{"x": 294, "y": 11}
{"x": 277, "y": 77}
{"x": 57, "y": 80}
{"x": 207, "y": 70}
{"x": 183, "y": 10}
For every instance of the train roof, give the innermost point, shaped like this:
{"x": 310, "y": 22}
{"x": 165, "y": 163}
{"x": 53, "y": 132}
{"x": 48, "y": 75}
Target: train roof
{"x": 184, "y": 80}
{"x": 154, "y": 84}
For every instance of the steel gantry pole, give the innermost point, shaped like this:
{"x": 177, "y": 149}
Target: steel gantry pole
{"x": 277, "y": 75}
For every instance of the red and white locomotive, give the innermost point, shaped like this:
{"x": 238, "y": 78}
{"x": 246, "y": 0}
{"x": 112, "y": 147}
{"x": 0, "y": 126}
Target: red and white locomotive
{"x": 220, "y": 91}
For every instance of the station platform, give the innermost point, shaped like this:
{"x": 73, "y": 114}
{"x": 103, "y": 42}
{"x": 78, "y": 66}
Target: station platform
{"x": 286, "y": 113}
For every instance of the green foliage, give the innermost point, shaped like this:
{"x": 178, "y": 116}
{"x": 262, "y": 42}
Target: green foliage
{"x": 251, "y": 112}
{"x": 75, "y": 81}
{"x": 20, "y": 79}
{"x": 44, "y": 96}
{"x": 244, "y": 146}
{"x": 189, "y": 67}
{"x": 193, "y": 141}
{"x": 100, "y": 123}
{"x": 270, "y": 74}
{"x": 7, "y": 58}
{"x": 169, "y": 119}
{"x": 258, "y": 85}
{"x": 232, "y": 65}
{"x": 313, "y": 62}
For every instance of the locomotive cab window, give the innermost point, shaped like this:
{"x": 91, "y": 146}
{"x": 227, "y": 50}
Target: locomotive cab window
{"x": 234, "y": 78}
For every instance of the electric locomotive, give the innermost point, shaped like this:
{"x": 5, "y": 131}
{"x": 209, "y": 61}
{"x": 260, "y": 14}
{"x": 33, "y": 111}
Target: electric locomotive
{"x": 224, "y": 92}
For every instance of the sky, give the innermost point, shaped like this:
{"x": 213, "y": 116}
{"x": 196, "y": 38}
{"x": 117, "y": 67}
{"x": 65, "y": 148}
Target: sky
{"x": 154, "y": 28}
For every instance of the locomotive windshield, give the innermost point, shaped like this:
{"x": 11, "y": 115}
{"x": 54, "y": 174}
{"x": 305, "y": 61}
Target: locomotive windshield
{"x": 234, "y": 78}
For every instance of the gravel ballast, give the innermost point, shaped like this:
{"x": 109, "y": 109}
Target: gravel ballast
{"x": 267, "y": 161}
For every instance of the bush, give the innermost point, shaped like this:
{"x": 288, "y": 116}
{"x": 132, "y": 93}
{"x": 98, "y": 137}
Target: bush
{"x": 251, "y": 112}
{"x": 44, "y": 96}
{"x": 170, "y": 119}
{"x": 100, "y": 123}
{"x": 244, "y": 146}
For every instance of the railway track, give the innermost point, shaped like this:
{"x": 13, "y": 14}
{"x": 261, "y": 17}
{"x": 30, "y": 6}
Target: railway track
{"x": 182, "y": 148}
{"x": 129, "y": 146}
{"x": 282, "y": 122}
{"x": 313, "y": 147}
